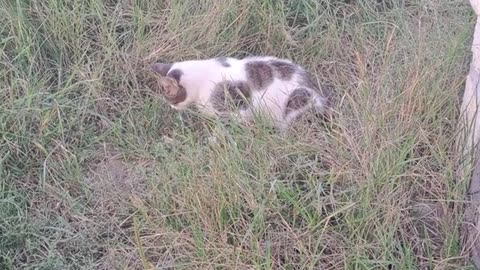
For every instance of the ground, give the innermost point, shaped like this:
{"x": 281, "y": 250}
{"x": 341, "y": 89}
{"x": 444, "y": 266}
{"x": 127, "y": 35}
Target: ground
{"x": 96, "y": 172}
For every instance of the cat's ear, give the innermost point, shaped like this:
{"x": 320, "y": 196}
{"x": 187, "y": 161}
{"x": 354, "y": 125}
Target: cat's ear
{"x": 161, "y": 68}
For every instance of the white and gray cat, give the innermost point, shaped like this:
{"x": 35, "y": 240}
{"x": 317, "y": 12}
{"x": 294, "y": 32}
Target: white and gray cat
{"x": 277, "y": 88}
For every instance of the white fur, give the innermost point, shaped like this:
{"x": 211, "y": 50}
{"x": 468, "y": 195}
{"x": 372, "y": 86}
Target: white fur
{"x": 200, "y": 77}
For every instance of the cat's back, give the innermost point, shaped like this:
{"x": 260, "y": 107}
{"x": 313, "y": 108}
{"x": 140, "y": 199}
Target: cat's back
{"x": 215, "y": 70}
{"x": 258, "y": 71}
{"x": 264, "y": 72}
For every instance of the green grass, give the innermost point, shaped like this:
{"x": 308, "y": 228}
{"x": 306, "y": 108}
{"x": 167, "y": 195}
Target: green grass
{"x": 97, "y": 173}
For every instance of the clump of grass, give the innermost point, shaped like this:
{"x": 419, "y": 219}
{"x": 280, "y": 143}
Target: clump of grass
{"x": 95, "y": 172}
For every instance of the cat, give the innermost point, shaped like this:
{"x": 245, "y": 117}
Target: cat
{"x": 241, "y": 88}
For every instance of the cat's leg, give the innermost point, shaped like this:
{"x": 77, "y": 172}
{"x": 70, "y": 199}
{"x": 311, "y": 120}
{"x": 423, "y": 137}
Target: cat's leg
{"x": 245, "y": 116}
{"x": 319, "y": 103}
{"x": 282, "y": 127}
{"x": 222, "y": 123}
{"x": 289, "y": 120}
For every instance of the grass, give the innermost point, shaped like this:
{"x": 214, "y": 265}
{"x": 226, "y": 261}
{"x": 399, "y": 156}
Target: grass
{"x": 96, "y": 173}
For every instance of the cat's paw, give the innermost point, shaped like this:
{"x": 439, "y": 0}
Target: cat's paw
{"x": 212, "y": 140}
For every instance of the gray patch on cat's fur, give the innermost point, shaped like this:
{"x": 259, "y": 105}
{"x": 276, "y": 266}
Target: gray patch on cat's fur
{"x": 259, "y": 74}
{"x": 229, "y": 95}
{"x": 182, "y": 93}
{"x": 176, "y": 74}
{"x": 298, "y": 99}
{"x": 283, "y": 69}
{"x": 223, "y": 61}
{"x": 161, "y": 68}
{"x": 325, "y": 90}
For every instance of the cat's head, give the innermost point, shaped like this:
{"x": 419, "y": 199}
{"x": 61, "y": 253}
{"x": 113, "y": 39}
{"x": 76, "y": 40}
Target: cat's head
{"x": 168, "y": 83}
